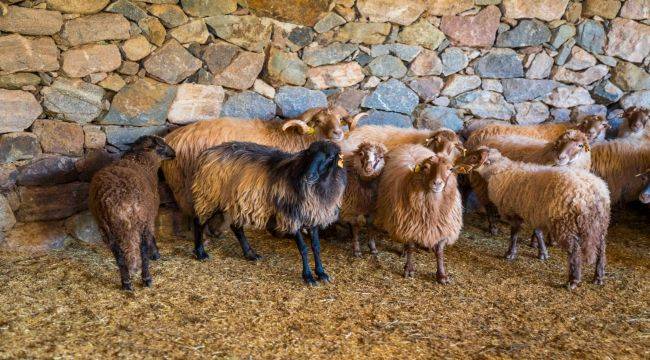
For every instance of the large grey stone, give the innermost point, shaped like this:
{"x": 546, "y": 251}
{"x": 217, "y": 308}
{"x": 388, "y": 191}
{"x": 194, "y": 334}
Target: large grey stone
{"x": 580, "y": 59}
{"x": 583, "y": 78}
{"x": 248, "y": 31}
{"x": 47, "y": 170}
{"x": 436, "y": 117}
{"x": 249, "y": 105}
{"x": 195, "y": 102}
{"x": 402, "y": 51}
{"x": 485, "y": 104}
{"x": 94, "y": 28}
{"x": 519, "y": 90}
{"x": 453, "y": 60}
{"x": 387, "y": 66}
{"x": 143, "y": 103}
{"x": 392, "y": 96}
{"x": 24, "y": 54}
{"x": 591, "y": 36}
{"x": 500, "y": 63}
{"x": 568, "y": 96}
{"x": 18, "y": 146}
{"x": 526, "y": 33}
{"x": 330, "y": 21}
{"x": 122, "y": 137}
{"x": 561, "y": 34}
{"x": 382, "y": 118}
{"x": 427, "y": 87}
{"x": 294, "y": 100}
{"x": 541, "y": 66}
{"x": 286, "y": 68}
{"x": 638, "y": 99}
{"x": 18, "y": 110}
{"x": 458, "y": 84}
{"x": 128, "y": 9}
{"x": 89, "y": 59}
{"x": 28, "y": 21}
{"x": 565, "y": 51}
{"x": 75, "y": 100}
{"x": 630, "y": 77}
{"x": 606, "y": 93}
{"x": 531, "y": 112}
{"x": 330, "y": 54}
{"x": 580, "y": 112}
{"x": 172, "y": 63}
{"x": 241, "y": 73}
{"x": 83, "y": 227}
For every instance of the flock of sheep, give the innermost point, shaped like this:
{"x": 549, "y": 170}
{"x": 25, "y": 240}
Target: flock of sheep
{"x": 292, "y": 177}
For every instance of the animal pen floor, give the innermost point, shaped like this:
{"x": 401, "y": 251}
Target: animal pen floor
{"x": 68, "y": 304}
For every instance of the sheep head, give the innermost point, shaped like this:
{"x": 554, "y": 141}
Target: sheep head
{"x": 444, "y": 141}
{"x": 323, "y": 158}
{"x": 474, "y": 159}
{"x": 324, "y": 122}
{"x": 593, "y": 126}
{"x": 569, "y": 146}
{"x": 368, "y": 159}
{"x": 152, "y": 143}
{"x": 636, "y": 118}
{"x": 434, "y": 172}
{"x": 644, "y": 197}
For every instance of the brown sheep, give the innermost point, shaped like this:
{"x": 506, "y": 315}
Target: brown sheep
{"x": 644, "y": 197}
{"x": 123, "y": 198}
{"x": 635, "y": 123}
{"x": 419, "y": 203}
{"x": 572, "y": 205}
{"x": 593, "y": 126}
{"x": 359, "y": 200}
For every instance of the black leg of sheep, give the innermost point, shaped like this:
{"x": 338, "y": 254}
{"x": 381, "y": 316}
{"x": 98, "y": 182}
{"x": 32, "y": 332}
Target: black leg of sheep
{"x": 154, "y": 254}
{"x": 304, "y": 253}
{"x": 515, "y": 227}
{"x": 249, "y": 253}
{"x": 144, "y": 257}
{"x": 599, "y": 276}
{"x": 441, "y": 272}
{"x": 542, "y": 253}
{"x": 199, "y": 249}
{"x": 575, "y": 264}
{"x": 121, "y": 264}
{"x": 315, "y": 248}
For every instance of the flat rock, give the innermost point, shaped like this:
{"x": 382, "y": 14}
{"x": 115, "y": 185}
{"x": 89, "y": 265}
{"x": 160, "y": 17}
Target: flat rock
{"x": 193, "y": 32}
{"x": 421, "y": 33}
{"x": 606, "y": 9}
{"x": 153, "y": 30}
{"x": 330, "y": 21}
{"x": 303, "y": 12}
{"x": 18, "y": 110}
{"x": 453, "y": 60}
{"x": 194, "y": 102}
{"x": 427, "y": 63}
{"x": 47, "y": 170}
{"x": 529, "y": 113}
{"x": 142, "y": 103}
{"x": 241, "y": 73}
{"x": 541, "y": 66}
{"x": 18, "y": 146}
{"x": 248, "y": 31}
{"x": 137, "y": 48}
{"x": 59, "y": 137}
{"x": 94, "y": 28}
{"x": 458, "y": 84}
{"x": 336, "y": 76}
{"x": 89, "y": 59}
{"x": 630, "y": 77}
{"x": 128, "y": 9}
{"x": 492, "y": 85}
{"x": 327, "y": 55}
{"x": 286, "y": 68}
{"x": 383, "y": 118}
{"x": 628, "y": 40}
{"x": 264, "y": 89}
{"x": 565, "y": 51}
{"x": 436, "y": 117}
{"x": 23, "y": 54}
{"x": 170, "y": 15}
{"x": 500, "y": 63}
{"x": 606, "y": 93}
{"x": 485, "y": 104}
{"x": 7, "y": 219}
{"x": 402, "y": 12}
{"x": 18, "y": 80}
{"x": 568, "y": 96}
{"x": 41, "y": 203}
{"x": 520, "y": 90}
{"x": 561, "y": 34}
{"x": 580, "y": 59}
{"x": 448, "y": 7}
{"x": 547, "y": 10}
{"x": 94, "y": 137}
{"x": 202, "y": 8}
{"x": 427, "y": 88}
{"x": 77, "y": 6}
{"x": 402, "y": 51}
{"x": 83, "y": 227}
{"x": 583, "y": 78}
{"x": 300, "y": 37}
{"x": 294, "y": 100}
{"x": 387, "y": 65}
{"x": 636, "y": 10}
{"x": 219, "y": 55}
{"x": 172, "y": 63}
{"x": 392, "y": 96}
{"x": 76, "y": 100}
{"x": 29, "y": 21}
{"x": 363, "y": 33}
{"x": 638, "y": 99}
{"x": 479, "y": 30}
{"x": 249, "y": 105}
{"x": 591, "y": 36}
{"x": 36, "y": 237}
{"x": 526, "y": 33}
{"x": 123, "y": 136}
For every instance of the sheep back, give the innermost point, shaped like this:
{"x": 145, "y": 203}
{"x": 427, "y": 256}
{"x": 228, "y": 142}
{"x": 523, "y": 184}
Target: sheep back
{"x": 546, "y": 132}
{"x": 390, "y": 136}
{"x": 359, "y": 198}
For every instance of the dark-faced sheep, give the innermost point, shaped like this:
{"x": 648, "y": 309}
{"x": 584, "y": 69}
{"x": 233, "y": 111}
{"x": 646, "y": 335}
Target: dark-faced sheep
{"x": 250, "y": 184}
{"x": 359, "y": 200}
{"x": 635, "y": 123}
{"x": 419, "y": 203}
{"x": 124, "y": 200}
{"x": 572, "y": 205}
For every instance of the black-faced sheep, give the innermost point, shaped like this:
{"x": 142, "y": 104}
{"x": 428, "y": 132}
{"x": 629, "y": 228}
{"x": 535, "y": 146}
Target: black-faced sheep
{"x": 592, "y": 126}
{"x": 360, "y": 198}
{"x": 572, "y": 205}
{"x": 419, "y": 203}
{"x": 635, "y": 123}
{"x": 124, "y": 200}
{"x": 250, "y": 184}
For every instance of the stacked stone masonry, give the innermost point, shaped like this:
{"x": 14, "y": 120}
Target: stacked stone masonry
{"x": 81, "y": 79}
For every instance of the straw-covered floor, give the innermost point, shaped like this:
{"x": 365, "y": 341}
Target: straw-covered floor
{"x": 68, "y": 303}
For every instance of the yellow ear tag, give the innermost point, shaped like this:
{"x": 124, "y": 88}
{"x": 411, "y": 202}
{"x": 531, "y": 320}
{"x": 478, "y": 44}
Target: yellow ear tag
{"x": 417, "y": 168}
{"x": 310, "y": 130}
{"x": 340, "y": 163}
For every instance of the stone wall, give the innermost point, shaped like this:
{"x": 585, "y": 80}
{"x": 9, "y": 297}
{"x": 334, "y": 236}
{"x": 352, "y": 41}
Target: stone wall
{"x": 80, "y": 79}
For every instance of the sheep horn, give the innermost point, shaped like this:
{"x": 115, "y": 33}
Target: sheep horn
{"x": 352, "y": 121}
{"x": 306, "y": 129}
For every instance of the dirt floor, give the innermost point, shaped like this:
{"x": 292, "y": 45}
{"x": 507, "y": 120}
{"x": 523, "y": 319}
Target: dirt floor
{"x": 67, "y": 304}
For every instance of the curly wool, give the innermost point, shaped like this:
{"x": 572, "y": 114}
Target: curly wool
{"x": 409, "y": 212}
{"x": 360, "y": 197}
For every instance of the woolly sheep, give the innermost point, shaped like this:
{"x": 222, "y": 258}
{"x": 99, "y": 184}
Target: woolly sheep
{"x": 124, "y": 200}
{"x": 251, "y": 184}
{"x": 635, "y": 123}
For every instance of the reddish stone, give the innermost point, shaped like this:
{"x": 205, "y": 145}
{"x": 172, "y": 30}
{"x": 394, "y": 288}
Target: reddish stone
{"x": 477, "y": 30}
{"x": 59, "y": 137}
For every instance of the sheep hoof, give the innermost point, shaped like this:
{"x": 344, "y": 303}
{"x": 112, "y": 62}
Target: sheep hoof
{"x": 323, "y": 277}
{"x": 543, "y": 256}
{"x": 494, "y": 231}
{"x": 357, "y": 254}
{"x": 146, "y": 282}
{"x": 155, "y": 256}
{"x": 409, "y": 273}
{"x": 127, "y": 287}
{"x": 572, "y": 285}
{"x": 443, "y": 279}
{"x": 510, "y": 256}
{"x": 253, "y": 256}
{"x": 599, "y": 281}
{"x": 309, "y": 279}
{"x": 201, "y": 255}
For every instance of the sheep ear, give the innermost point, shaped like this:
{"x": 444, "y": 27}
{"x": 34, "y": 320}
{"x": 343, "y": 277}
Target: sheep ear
{"x": 352, "y": 121}
{"x": 300, "y": 125}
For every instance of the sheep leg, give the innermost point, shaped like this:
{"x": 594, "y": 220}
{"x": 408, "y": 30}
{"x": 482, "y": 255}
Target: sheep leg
{"x": 534, "y": 240}
{"x": 315, "y": 248}
{"x": 304, "y": 254}
{"x": 542, "y": 252}
{"x": 121, "y": 264}
{"x": 493, "y": 217}
{"x": 409, "y": 267}
{"x": 249, "y": 253}
{"x": 515, "y": 227}
{"x": 575, "y": 265}
{"x": 373, "y": 247}
{"x": 144, "y": 257}
{"x": 199, "y": 249}
{"x": 356, "y": 248}
{"x": 154, "y": 254}
{"x": 441, "y": 272}
{"x": 599, "y": 276}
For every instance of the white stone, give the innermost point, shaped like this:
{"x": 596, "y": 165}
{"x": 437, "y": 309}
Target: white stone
{"x": 196, "y": 102}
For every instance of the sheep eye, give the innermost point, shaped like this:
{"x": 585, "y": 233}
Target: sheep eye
{"x": 581, "y": 146}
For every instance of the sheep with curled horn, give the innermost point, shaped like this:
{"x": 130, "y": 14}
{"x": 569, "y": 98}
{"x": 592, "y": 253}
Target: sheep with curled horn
{"x": 123, "y": 198}
{"x": 248, "y": 184}
{"x": 324, "y": 123}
